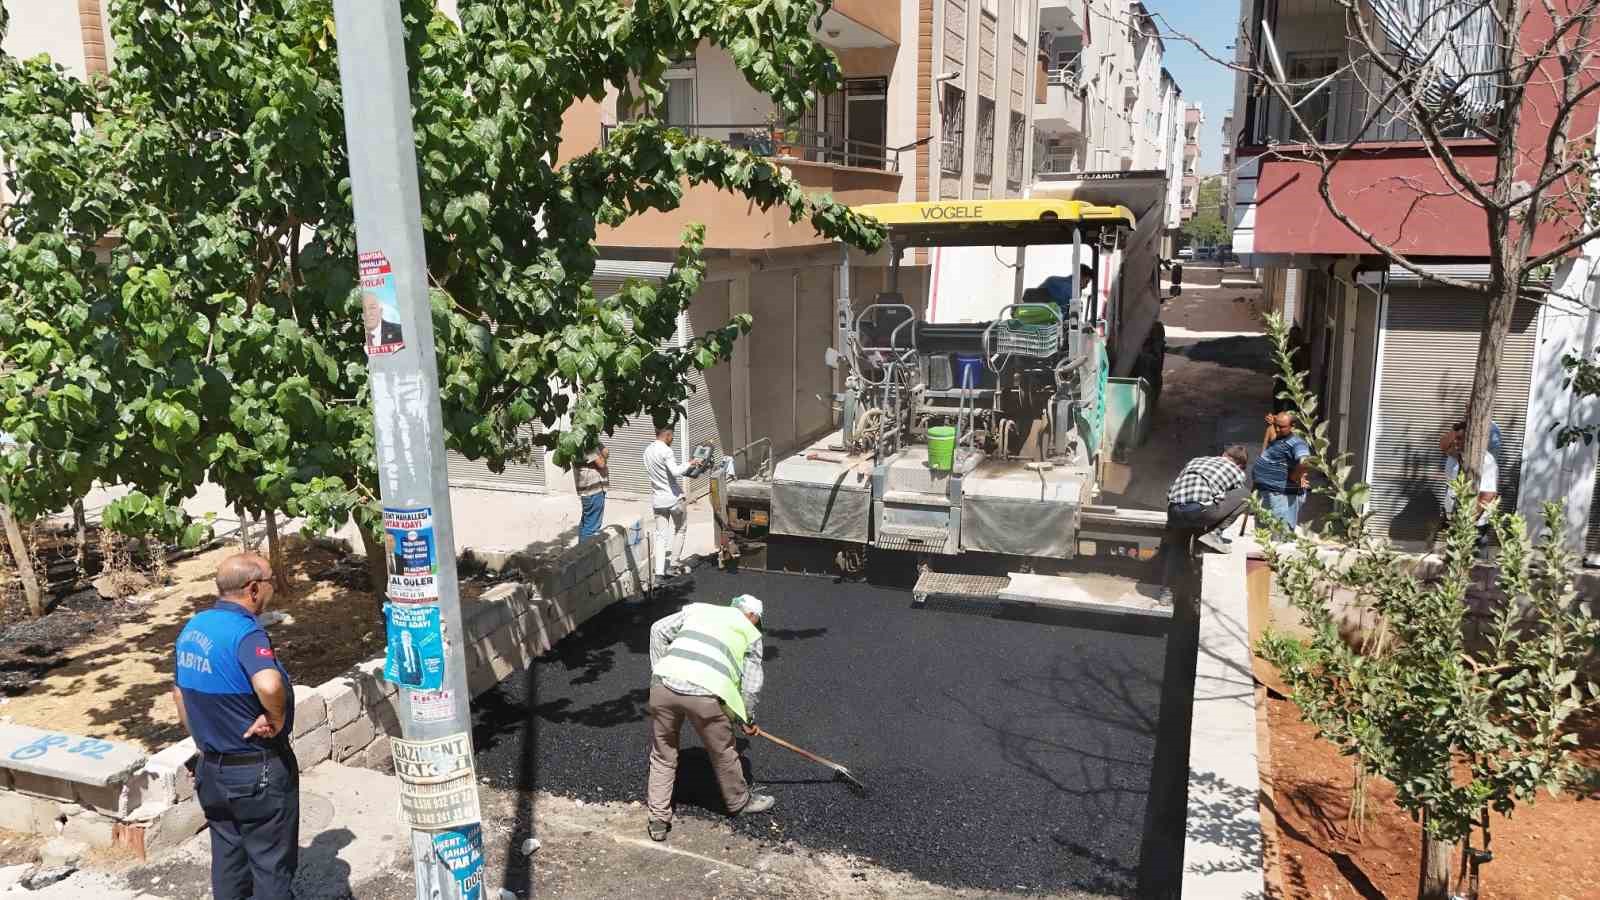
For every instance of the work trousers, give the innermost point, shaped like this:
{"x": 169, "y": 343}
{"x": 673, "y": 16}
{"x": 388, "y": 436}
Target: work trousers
{"x": 668, "y": 709}
{"x": 1186, "y": 521}
{"x": 253, "y": 811}
{"x": 1285, "y": 507}
{"x": 594, "y": 512}
{"x": 672, "y": 526}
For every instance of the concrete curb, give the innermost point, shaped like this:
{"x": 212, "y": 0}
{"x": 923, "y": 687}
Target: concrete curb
{"x": 1222, "y": 854}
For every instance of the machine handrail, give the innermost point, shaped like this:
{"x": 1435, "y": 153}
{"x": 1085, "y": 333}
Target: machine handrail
{"x": 901, "y": 355}
{"x": 988, "y": 333}
{"x": 765, "y": 472}
{"x": 894, "y": 335}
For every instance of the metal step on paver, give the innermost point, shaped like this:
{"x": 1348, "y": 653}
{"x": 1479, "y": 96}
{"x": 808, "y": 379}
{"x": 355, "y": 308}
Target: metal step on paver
{"x": 1065, "y": 592}
{"x": 953, "y": 584}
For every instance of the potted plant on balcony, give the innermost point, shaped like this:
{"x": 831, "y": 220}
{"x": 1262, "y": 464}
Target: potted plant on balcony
{"x": 785, "y": 139}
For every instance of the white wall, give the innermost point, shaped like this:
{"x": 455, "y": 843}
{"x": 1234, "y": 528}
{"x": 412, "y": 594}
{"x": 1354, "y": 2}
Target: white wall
{"x": 47, "y": 26}
{"x": 1550, "y": 473}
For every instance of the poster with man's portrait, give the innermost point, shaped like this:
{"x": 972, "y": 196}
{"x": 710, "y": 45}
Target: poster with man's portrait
{"x": 380, "y": 306}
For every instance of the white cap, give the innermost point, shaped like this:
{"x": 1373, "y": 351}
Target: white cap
{"x": 747, "y": 603}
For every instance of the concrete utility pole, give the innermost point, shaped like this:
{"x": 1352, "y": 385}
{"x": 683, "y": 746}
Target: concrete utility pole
{"x": 427, "y": 659}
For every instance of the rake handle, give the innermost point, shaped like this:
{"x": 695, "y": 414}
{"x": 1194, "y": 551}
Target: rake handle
{"x": 806, "y": 753}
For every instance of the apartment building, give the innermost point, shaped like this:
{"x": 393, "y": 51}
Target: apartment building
{"x": 1193, "y": 123}
{"x": 1393, "y": 354}
{"x": 1171, "y": 160}
{"x": 1225, "y": 212}
{"x": 1101, "y": 107}
{"x": 937, "y": 102}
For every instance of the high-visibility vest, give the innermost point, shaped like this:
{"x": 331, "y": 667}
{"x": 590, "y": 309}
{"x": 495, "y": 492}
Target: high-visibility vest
{"x": 709, "y": 652}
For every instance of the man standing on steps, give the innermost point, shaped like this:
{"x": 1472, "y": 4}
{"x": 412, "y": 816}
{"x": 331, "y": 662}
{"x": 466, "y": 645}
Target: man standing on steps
{"x": 1282, "y": 473}
{"x": 666, "y": 497}
{"x": 591, "y": 478}
{"x": 1206, "y": 497}
{"x": 705, "y": 665}
{"x": 235, "y": 699}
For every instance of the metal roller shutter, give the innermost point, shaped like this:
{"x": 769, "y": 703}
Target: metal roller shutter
{"x": 709, "y": 409}
{"x": 1429, "y": 348}
{"x": 519, "y": 476}
{"x": 1591, "y": 544}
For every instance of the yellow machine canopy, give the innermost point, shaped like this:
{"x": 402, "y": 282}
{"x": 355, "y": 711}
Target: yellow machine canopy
{"x": 1001, "y": 223}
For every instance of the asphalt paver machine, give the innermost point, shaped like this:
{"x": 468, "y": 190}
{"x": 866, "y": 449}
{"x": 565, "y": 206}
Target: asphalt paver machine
{"x": 972, "y": 448}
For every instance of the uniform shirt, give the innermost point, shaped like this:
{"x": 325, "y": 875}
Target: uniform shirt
{"x": 1204, "y": 480}
{"x": 1488, "y": 482}
{"x": 664, "y": 471}
{"x": 1272, "y": 467}
{"x": 750, "y": 678}
{"x": 588, "y": 479}
{"x": 218, "y": 651}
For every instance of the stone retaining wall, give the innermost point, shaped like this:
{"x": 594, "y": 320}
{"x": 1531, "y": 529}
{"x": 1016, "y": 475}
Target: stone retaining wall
{"x": 349, "y": 719}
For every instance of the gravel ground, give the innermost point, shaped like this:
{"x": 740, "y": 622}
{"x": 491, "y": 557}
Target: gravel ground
{"x": 1001, "y": 755}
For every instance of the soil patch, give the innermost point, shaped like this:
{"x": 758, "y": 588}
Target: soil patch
{"x": 103, "y": 668}
{"x": 1545, "y": 851}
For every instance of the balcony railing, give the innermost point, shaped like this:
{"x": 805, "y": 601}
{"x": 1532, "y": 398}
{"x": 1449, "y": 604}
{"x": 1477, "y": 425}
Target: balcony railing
{"x": 803, "y": 144}
{"x": 1067, "y": 72}
{"x": 1052, "y": 162}
{"x": 1337, "y": 113}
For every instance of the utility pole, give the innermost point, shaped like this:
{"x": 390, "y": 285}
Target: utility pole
{"x": 427, "y": 659}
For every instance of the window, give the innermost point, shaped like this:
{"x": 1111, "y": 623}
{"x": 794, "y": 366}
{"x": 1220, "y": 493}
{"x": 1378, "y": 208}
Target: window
{"x": 983, "y": 165}
{"x": 680, "y": 96}
{"x": 1016, "y": 147}
{"x": 952, "y": 127}
{"x": 678, "y": 106}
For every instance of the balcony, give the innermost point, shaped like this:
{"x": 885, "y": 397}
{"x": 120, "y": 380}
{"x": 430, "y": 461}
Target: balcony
{"x": 853, "y": 172}
{"x": 860, "y": 25}
{"x": 1060, "y": 113}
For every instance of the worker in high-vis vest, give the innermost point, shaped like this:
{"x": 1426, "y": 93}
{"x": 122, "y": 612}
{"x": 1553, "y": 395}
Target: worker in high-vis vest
{"x": 705, "y": 666}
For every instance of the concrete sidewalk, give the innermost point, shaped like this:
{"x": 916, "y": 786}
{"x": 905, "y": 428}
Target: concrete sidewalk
{"x": 502, "y": 521}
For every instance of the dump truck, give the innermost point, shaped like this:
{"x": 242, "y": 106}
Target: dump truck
{"x": 973, "y": 450}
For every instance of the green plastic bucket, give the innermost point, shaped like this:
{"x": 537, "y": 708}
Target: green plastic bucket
{"x": 941, "y": 447}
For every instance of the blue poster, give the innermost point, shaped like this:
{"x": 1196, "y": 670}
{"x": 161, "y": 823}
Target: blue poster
{"x": 408, "y": 536}
{"x": 461, "y": 850}
{"x": 416, "y": 646}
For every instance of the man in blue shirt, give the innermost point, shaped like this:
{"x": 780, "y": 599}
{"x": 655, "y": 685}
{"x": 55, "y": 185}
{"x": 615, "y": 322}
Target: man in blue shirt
{"x": 235, "y": 699}
{"x": 1282, "y": 473}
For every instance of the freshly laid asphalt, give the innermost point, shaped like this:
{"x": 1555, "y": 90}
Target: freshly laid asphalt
{"x": 999, "y": 754}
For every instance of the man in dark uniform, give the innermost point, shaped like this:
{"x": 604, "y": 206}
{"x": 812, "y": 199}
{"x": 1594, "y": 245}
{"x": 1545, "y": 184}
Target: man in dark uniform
{"x": 235, "y": 698}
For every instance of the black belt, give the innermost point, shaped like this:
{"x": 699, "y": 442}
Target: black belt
{"x": 244, "y": 759}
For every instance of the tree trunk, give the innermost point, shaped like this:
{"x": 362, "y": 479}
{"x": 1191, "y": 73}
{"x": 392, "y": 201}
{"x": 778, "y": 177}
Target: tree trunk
{"x": 1433, "y": 881}
{"x": 1480, "y": 405}
{"x": 280, "y": 574}
{"x": 377, "y": 564}
{"x": 80, "y": 521}
{"x": 19, "y": 552}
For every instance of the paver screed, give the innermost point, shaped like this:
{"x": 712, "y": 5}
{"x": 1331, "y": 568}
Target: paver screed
{"x": 1000, "y": 754}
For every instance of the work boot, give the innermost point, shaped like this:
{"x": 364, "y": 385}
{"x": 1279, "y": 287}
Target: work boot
{"x": 757, "y": 803}
{"x": 658, "y": 829}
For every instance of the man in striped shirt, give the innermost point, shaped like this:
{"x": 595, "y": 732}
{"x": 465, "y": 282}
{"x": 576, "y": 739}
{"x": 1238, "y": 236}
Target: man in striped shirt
{"x": 1207, "y": 496}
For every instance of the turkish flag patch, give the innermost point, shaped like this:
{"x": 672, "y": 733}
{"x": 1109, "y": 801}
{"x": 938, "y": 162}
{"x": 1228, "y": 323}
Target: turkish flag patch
{"x": 264, "y": 651}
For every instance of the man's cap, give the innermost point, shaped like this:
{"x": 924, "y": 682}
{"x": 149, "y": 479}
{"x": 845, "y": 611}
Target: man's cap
{"x": 747, "y": 603}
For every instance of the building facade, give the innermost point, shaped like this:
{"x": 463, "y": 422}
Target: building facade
{"x": 1392, "y": 355}
{"x": 1171, "y": 162}
{"x": 1193, "y": 123}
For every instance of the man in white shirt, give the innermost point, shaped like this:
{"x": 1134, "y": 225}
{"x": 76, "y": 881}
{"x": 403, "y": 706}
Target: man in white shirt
{"x": 666, "y": 497}
{"x": 1452, "y": 443}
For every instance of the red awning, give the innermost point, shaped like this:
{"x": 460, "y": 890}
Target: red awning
{"x": 1398, "y": 193}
